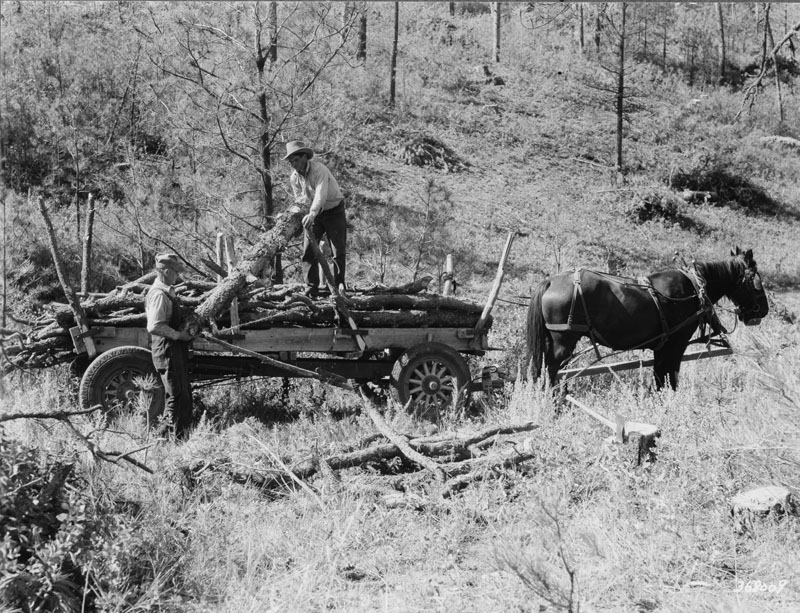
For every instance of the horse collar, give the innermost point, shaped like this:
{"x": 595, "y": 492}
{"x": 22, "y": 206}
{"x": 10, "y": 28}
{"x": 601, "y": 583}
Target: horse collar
{"x": 707, "y": 313}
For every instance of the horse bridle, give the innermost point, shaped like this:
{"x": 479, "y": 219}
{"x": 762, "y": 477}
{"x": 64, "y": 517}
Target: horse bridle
{"x": 752, "y": 280}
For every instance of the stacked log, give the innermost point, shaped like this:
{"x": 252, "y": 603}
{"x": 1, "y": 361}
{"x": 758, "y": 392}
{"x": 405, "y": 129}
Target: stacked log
{"x": 409, "y": 306}
{"x": 206, "y": 304}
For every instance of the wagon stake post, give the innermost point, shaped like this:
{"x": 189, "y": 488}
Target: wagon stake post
{"x": 645, "y": 433}
{"x": 498, "y": 279}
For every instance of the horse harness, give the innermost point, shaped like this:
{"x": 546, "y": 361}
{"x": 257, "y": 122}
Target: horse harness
{"x": 706, "y": 313}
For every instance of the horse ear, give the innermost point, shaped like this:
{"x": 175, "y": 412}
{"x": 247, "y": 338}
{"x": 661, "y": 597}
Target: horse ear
{"x": 748, "y": 255}
{"x": 736, "y": 251}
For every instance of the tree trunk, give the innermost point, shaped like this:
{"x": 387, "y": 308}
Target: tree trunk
{"x": 621, "y": 86}
{"x": 5, "y": 253}
{"x": 86, "y": 267}
{"x": 598, "y": 27}
{"x": 393, "y": 78}
{"x": 287, "y": 226}
{"x": 361, "y": 50}
{"x": 496, "y": 7}
{"x": 72, "y": 299}
{"x": 722, "y": 61}
{"x": 581, "y": 31}
{"x": 764, "y": 54}
{"x": 268, "y": 204}
{"x": 273, "y": 32}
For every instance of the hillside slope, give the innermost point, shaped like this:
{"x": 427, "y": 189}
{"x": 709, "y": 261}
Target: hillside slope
{"x": 541, "y": 166}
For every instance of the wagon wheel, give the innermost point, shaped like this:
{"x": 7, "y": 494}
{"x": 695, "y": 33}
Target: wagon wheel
{"x": 119, "y": 379}
{"x": 429, "y": 376}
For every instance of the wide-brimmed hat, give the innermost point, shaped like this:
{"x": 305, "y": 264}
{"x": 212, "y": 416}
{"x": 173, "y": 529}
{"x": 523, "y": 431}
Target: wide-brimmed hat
{"x": 297, "y": 146}
{"x": 171, "y": 261}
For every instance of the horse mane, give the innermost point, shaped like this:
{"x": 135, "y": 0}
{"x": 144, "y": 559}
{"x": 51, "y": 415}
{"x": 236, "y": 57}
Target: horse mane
{"x": 719, "y": 273}
{"x": 720, "y": 270}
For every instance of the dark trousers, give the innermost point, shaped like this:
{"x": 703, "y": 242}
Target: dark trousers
{"x": 171, "y": 360}
{"x": 333, "y": 224}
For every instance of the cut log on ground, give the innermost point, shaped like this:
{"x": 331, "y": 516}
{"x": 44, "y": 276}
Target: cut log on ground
{"x": 459, "y": 455}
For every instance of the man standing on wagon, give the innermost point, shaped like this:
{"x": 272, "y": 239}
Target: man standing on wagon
{"x": 169, "y": 344}
{"x": 315, "y": 187}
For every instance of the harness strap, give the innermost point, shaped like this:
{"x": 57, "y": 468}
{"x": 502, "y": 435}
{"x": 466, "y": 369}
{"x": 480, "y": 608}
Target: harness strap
{"x": 664, "y": 326}
{"x": 576, "y": 289}
{"x": 707, "y": 313}
{"x": 587, "y": 328}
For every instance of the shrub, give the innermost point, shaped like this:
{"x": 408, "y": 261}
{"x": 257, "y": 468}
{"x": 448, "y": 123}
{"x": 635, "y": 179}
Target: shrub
{"x": 47, "y": 524}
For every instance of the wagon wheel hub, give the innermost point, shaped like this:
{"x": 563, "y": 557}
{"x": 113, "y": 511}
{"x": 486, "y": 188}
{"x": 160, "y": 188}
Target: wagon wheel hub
{"x": 431, "y": 384}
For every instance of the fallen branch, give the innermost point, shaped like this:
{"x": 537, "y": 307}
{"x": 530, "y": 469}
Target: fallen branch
{"x": 114, "y": 457}
{"x": 400, "y": 442}
{"x": 61, "y": 415}
{"x": 452, "y": 449}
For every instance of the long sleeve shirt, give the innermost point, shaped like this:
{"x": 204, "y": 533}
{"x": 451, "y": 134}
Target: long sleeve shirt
{"x": 317, "y": 188}
{"x": 158, "y": 306}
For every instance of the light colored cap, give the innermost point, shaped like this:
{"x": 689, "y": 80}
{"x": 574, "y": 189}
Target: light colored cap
{"x": 169, "y": 260}
{"x": 297, "y": 146}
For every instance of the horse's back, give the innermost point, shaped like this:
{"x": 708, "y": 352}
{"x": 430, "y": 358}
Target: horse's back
{"x": 619, "y": 312}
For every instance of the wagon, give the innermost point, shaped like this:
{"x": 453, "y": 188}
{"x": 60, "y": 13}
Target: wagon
{"x": 425, "y": 366}
{"x": 422, "y": 366}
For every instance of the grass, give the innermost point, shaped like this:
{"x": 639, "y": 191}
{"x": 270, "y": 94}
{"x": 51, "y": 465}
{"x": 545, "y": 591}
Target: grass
{"x": 657, "y": 537}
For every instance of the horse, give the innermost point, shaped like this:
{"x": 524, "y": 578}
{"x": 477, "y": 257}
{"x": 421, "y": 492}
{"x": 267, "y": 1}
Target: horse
{"x": 660, "y": 312}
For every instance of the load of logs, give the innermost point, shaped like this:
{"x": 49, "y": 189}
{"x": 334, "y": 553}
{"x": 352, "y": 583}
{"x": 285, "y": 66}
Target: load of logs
{"x": 259, "y": 307}
{"x": 208, "y": 304}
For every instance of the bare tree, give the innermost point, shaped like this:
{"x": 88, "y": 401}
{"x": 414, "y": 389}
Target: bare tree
{"x": 86, "y": 267}
{"x": 496, "y": 7}
{"x": 621, "y": 83}
{"x": 598, "y": 24}
{"x": 393, "y": 78}
{"x": 610, "y": 81}
{"x": 752, "y": 90}
{"x": 722, "y": 61}
{"x": 227, "y": 70}
{"x": 273, "y": 32}
{"x": 361, "y": 48}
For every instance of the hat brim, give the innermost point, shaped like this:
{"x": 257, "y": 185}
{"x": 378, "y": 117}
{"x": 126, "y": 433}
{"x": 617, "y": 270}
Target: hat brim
{"x": 175, "y": 267}
{"x": 305, "y": 150}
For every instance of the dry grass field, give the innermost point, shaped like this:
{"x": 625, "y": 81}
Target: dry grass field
{"x": 580, "y": 526}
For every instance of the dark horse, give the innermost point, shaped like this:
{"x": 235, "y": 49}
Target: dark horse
{"x": 660, "y": 312}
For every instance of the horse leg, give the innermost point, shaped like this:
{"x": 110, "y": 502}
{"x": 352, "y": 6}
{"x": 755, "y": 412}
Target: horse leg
{"x": 666, "y": 365}
{"x": 559, "y": 350}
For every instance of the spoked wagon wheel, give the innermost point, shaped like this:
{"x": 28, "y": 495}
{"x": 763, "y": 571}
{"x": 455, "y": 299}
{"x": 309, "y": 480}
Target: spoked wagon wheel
{"x": 121, "y": 379}
{"x": 429, "y": 375}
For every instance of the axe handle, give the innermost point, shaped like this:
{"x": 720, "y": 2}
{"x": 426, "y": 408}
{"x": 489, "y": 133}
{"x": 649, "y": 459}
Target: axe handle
{"x": 601, "y": 418}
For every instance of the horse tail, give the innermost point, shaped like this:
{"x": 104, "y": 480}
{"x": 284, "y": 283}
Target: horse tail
{"x": 536, "y": 332}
